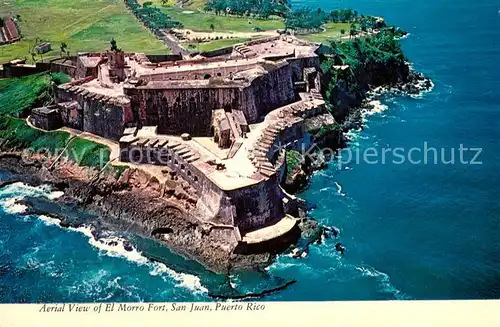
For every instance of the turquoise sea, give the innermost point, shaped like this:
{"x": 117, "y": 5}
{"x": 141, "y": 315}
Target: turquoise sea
{"x": 412, "y": 231}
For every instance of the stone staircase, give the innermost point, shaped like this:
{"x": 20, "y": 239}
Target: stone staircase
{"x": 288, "y": 116}
{"x": 181, "y": 150}
{"x": 245, "y": 51}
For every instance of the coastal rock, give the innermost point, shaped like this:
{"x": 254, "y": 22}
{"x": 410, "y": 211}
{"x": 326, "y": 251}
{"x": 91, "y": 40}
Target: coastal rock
{"x": 127, "y": 246}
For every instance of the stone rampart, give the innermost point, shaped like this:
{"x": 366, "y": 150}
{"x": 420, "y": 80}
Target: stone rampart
{"x": 247, "y": 208}
{"x": 218, "y": 52}
{"x": 199, "y": 73}
{"x": 177, "y": 111}
{"x": 94, "y": 113}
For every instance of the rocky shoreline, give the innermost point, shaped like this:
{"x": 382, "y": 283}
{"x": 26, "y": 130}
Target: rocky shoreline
{"x": 135, "y": 203}
{"x": 166, "y": 211}
{"x": 355, "y": 110}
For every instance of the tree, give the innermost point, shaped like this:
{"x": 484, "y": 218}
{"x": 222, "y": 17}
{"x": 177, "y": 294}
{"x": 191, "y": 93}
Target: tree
{"x": 2, "y": 24}
{"x": 63, "y": 48}
{"x": 212, "y": 27}
{"x": 113, "y": 45}
{"x": 304, "y": 19}
{"x": 353, "y": 31}
{"x": 164, "y": 2}
{"x": 342, "y": 31}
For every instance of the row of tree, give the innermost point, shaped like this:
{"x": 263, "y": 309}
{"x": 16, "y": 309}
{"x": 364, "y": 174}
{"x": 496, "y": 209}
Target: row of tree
{"x": 154, "y": 18}
{"x": 257, "y": 8}
{"x": 307, "y": 19}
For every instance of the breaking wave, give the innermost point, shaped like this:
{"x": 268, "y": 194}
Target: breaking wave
{"x": 110, "y": 245}
{"x": 11, "y": 194}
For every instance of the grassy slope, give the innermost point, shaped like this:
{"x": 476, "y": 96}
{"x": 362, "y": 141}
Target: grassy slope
{"x": 199, "y": 21}
{"x": 18, "y": 94}
{"x": 17, "y": 134}
{"x": 85, "y": 25}
{"x": 332, "y": 32}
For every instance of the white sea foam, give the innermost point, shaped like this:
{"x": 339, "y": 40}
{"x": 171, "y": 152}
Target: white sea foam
{"x": 188, "y": 281}
{"x": 376, "y": 107}
{"x": 12, "y": 193}
{"x": 49, "y": 220}
{"x": 339, "y": 189}
{"x": 10, "y": 205}
{"x": 385, "y": 283}
{"x": 112, "y": 246}
{"x": 423, "y": 90}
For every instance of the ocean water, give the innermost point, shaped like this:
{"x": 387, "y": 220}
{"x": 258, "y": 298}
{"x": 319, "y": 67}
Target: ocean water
{"x": 412, "y": 231}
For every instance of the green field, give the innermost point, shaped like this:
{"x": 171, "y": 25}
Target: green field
{"x": 20, "y": 94}
{"x": 332, "y": 32}
{"x": 15, "y": 133}
{"x": 200, "y": 21}
{"x": 85, "y": 25}
{"x": 213, "y": 45}
{"x": 88, "y": 25}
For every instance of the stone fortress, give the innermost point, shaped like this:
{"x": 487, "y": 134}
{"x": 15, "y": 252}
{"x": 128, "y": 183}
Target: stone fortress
{"x": 219, "y": 121}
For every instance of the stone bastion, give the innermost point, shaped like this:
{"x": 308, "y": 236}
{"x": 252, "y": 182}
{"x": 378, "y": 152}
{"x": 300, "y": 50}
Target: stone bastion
{"x": 220, "y": 123}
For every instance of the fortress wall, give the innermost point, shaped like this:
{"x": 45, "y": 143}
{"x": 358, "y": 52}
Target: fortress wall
{"x": 63, "y": 68}
{"x": 247, "y": 208}
{"x": 177, "y": 111}
{"x": 216, "y": 205}
{"x": 103, "y": 118}
{"x": 196, "y": 73}
{"x": 191, "y": 62}
{"x": 290, "y": 135}
{"x": 218, "y": 52}
{"x": 72, "y": 116}
{"x": 164, "y": 57}
{"x": 181, "y": 110}
{"x": 106, "y": 120}
{"x": 10, "y": 70}
{"x": 263, "y": 40}
{"x": 272, "y": 90}
{"x": 298, "y": 65}
{"x": 259, "y": 205}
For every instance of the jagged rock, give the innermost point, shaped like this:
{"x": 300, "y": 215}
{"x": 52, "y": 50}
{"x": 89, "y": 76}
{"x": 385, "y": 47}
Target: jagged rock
{"x": 64, "y": 223}
{"x": 127, "y": 246}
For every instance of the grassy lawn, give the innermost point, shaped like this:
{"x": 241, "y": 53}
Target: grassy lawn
{"x": 19, "y": 94}
{"x": 332, "y": 31}
{"x": 85, "y": 25}
{"x": 190, "y": 5}
{"x": 17, "y": 134}
{"x": 213, "y": 45}
{"x": 199, "y": 21}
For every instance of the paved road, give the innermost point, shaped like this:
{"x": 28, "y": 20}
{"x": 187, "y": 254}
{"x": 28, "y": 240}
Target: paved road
{"x": 173, "y": 45}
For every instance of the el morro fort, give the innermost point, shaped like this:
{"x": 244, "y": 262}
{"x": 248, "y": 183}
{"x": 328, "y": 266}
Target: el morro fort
{"x": 217, "y": 122}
